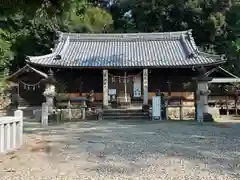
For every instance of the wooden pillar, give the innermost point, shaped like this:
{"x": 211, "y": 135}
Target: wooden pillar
{"x": 181, "y": 110}
{"x": 195, "y": 103}
{"x": 169, "y": 88}
{"x": 145, "y": 86}
{"x": 169, "y": 96}
{"x": 105, "y": 88}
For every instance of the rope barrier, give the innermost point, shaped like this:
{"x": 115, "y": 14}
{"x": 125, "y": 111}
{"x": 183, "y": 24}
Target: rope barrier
{"x": 30, "y": 86}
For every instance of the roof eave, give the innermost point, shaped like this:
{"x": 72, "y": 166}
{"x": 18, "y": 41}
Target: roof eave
{"x": 216, "y": 57}
{"x": 216, "y": 63}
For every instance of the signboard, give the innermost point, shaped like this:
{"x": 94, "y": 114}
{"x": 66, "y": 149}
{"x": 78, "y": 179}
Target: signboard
{"x": 156, "y": 108}
{"x": 112, "y": 91}
{"x": 137, "y": 85}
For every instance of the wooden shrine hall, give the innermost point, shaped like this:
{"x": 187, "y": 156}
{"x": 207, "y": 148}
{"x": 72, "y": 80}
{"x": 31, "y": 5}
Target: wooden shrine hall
{"x": 122, "y": 68}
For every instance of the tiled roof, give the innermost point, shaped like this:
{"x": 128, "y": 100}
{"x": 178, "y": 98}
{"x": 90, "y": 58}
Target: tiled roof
{"x": 26, "y": 69}
{"x": 170, "y": 49}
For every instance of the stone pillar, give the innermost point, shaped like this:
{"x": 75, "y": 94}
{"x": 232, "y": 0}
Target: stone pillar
{"x": 166, "y": 105}
{"x": 203, "y": 88}
{"x": 202, "y": 99}
{"x": 199, "y": 107}
{"x": 83, "y": 113}
{"x": 145, "y": 86}
{"x": 49, "y": 101}
{"x": 105, "y": 88}
{"x": 44, "y": 117}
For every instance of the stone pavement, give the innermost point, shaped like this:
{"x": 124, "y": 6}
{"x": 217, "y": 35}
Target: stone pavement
{"x": 125, "y": 150}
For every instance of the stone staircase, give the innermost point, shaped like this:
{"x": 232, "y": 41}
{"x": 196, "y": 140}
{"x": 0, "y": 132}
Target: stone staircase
{"x": 124, "y": 114}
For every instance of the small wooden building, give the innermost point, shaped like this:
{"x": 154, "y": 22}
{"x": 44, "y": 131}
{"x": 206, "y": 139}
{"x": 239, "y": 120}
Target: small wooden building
{"x": 133, "y": 64}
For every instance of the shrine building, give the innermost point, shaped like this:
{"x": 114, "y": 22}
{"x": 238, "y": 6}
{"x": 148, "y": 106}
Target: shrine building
{"x": 130, "y": 65}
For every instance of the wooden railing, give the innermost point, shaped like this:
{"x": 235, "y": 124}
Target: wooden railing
{"x": 11, "y": 131}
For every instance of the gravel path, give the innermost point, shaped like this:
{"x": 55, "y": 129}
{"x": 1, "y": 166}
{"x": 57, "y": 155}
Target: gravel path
{"x": 117, "y": 150}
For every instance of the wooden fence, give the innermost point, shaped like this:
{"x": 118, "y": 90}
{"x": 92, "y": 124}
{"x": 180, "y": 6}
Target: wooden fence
{"x": 11, "y": 131}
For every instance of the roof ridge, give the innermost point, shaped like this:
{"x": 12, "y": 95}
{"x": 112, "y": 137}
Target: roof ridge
{"x": 192, "y": 41}
{"x": 52, "y": 54}
{"x": 141, "y": 33}
{"x": 42, "y": 56}
{"x": 65, "y": 46}
{"x": 185, "y": 46}
{"x": 79, "y": 36}
{"x": 215, "y": 56}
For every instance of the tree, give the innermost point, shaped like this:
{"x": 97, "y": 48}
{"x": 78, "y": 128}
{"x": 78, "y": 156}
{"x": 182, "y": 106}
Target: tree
{"x": 231, "y": 46}
{"x": 6, "y": 55}
{"x": 32, "y": 24}
{"x": 30, "y": 7}
{"x": 91, "y": 20}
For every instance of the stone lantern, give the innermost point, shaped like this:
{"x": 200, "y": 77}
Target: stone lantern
{"x": 49, "y": 91}
{"x": 202, "y": 93}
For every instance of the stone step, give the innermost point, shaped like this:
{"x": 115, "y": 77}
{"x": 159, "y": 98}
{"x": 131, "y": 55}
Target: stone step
{"x": 3, "y": 113}
{"x": 123, "y": 113}
{"x": 124, "y": 117}
{"x": 122, "y": 110}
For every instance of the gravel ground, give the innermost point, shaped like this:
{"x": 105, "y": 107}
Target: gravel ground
{"x": 126, "y": 150}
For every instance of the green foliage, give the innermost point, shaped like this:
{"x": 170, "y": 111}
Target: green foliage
{"x": 30, "y": 7}
{"x": 91, "y": 19}
{"x": 6, "y": 55}
{"x": 31, "y": 25}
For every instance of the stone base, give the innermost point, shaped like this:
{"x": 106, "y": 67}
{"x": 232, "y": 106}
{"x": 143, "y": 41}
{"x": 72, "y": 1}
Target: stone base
{"x": 187, "y": 112}
{"x": 37, "y": 114}
{"x": 75, "y": 114}
{"x": 214, "y": 112}
{"x": 207, "y": 117}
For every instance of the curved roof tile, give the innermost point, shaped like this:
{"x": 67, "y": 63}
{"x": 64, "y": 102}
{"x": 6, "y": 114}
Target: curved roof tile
{"x": 168, "y": 49}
